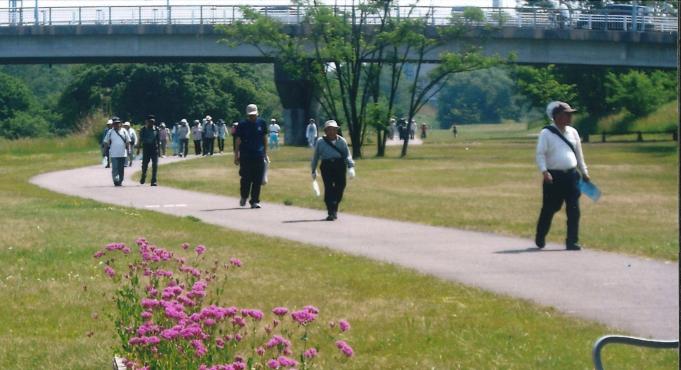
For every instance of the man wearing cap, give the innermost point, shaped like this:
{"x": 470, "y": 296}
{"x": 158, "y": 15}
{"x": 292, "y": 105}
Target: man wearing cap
{"x": 560, "y": 160}
{"x": 311, "y": 132}
{"x": 333, "y": 150}
{"x": 250, "y": 154}
{"x": 183, "y": 138}
{"x": 197, "y": 133}
{"x": 210, "y": 132}
{"x": 133, "y": 142}
{"x": 274, "y": 133}
{"x": 150, "y": 141}
{"x": 117, "y": 142}
{"x": 222, "y": 133}
{"x": 164, "y": 137}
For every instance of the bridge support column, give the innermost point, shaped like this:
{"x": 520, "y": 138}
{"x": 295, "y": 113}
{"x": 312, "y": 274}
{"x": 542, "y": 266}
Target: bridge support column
{"x": 298, "y": 99}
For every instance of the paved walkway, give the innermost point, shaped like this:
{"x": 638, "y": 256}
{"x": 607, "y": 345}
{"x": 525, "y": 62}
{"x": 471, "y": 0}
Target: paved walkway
{"x": 637, "y": 295}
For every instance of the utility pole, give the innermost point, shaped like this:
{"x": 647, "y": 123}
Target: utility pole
{"x": 35, "y": 12}
{"x": 168, "y": 11}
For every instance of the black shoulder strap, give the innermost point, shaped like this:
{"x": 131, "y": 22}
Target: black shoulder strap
{"x": 119, "y": 135}
{"x": 333, "y": 146}
{"x": 555, "y": 131}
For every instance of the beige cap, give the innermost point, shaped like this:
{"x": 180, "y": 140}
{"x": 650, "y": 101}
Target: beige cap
{"x": 126, "y": 123}
{"x": 330, "y": 123}
{"x": 251, "y": 109}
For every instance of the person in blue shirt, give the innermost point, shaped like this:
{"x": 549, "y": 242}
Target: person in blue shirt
{"x": 250, "y": 154}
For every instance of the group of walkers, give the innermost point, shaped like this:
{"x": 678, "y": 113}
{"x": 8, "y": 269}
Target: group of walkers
{"x": 558, "y": 156}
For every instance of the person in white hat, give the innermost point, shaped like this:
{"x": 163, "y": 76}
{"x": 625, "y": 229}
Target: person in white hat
{"x": 250, "y": 154}
{"x": 274, "y": 129}
{"x": 183, "y": 138}
{"x": 311, "y": 132}
{"x": 197, "y": 135}
{"x": 165, "y": 136}
{"x": 210, "y": 132}
{"x": 133, "y": 142}
{"x": 335, "y": 155}
{"x": 105, "y": 150}
{"x": 560, "y": 160}
{"x": 117, "y": 141}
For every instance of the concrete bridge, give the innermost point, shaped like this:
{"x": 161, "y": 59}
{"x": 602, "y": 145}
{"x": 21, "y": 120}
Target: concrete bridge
{"x": 114, "y": 35}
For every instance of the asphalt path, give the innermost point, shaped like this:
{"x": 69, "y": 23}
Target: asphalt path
{"x": 638, "y": 296}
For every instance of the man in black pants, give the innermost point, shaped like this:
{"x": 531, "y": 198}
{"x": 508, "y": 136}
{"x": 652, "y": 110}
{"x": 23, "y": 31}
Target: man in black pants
{"x": 250, "y": 154}
{"x": 559, "y": 156}
{"x": 149, "y": 140}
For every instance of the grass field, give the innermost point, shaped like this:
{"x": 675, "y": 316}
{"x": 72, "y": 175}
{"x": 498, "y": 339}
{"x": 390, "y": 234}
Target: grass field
{"x": 55, "y": 300}
{"x": 480, "y": 181}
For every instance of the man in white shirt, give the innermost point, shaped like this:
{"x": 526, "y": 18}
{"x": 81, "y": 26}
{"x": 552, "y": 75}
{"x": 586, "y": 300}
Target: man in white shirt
{"x": 559, "y": 163}
{"x": 118, "y": 141}
{"x": 133, "y": 142}
{"x": 274, "y": 129}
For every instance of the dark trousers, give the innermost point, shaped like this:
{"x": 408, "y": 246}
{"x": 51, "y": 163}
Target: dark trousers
{"x": 118, "y": 170}
{"x": 563, "y": 189}
{"x": 251, "y": 172}
{"x": 197, "y": 147}
{"x": 149, "y": 154}
{"x": 163, "y": 147}
{"x": 333, "y": 174}
{"x": 221, "y": 144}
{"x": 184, "y": 147}
{"x": 208, "y": 144}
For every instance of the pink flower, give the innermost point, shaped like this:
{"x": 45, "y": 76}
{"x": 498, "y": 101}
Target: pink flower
{"x": 109, "y": 271}
{"x": 185, "y": 246}
{"x": 344, "y": 325}
{"x": 287, "y": 362}
{"x": 200, "y": 249}
{"x": 99, "y": 254}
{"x": 260, "y": 351}
{"x": 147, "y": 315}
{"x": 199, "y": 348}
{"x": 273, "y": 364}
{"x": 220, "y": 343}
{"x": 303, "y": 317}
{"x": 345, "y": 348}
{"x": 235, "y": 262}
{"x": 280, "y": 311}
{"x": 310, "y": 353}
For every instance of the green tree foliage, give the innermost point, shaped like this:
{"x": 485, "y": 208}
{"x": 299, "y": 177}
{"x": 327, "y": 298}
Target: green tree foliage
{"x": 541, "y": 85}
{"x": 20, "y": 114}
{"x": 24, "y": 124}
{"x": 639, "y": 92}
{"x": 479, "y": 96}
{"x": 15, "y": 97}
{"x": 170, "y": 91}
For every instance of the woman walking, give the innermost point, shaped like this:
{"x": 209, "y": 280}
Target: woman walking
{"x": 335, "y": 155}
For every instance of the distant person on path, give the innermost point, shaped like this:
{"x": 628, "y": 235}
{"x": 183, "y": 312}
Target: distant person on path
{"x": 105, "y": 148}
{"x": 183, "y": 138}
{"x": 250, "y": 154}
{"x": 311, "y": 132}
{"x": 336, "y": 158}
{"x": 222, "y": 133}
{"x": 150, "y": 141}
{"x": 455, "y": 131}
{"x": 558, "y": 162}
{"x": 402, "y": 129}
{"x": 176, "y": 140}
{"x": 274, "y": 129}
{"x": 197, "y": 133}
{"x": 412, "y": 129}
{"x": 165, "y": 136}
{"x": 117, "y": 142}
{"x": 424, "y": 130}
{"x": 392, "y": 129}
{"x": 133, "y": 142}
{"x": 210, "y": 132}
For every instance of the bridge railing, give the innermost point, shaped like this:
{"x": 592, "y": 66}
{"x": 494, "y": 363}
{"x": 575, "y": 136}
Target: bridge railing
{"x": 435, "y": 15}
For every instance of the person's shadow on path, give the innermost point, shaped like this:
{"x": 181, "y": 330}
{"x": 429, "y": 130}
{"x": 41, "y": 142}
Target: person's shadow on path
{"x": 298, "y": 221}
{"x": 226, "y": 209}
{"x": 528, "y": 250}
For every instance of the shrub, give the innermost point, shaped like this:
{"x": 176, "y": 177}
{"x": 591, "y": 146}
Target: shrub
{"x": 24, "y": 124}
{"x": 164, "y": 321}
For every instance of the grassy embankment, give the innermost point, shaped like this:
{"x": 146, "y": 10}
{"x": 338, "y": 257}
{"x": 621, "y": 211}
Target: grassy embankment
{"x": 55, "y": 299}
{"x": 486, "y": 180}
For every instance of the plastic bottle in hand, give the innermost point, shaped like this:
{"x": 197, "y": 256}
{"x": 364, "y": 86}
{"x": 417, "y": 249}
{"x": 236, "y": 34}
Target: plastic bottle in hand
{"x": 351, "y": 172}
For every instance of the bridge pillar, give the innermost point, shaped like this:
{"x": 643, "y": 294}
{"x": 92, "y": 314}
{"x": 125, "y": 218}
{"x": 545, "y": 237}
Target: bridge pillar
{"x": 297, "y": 98}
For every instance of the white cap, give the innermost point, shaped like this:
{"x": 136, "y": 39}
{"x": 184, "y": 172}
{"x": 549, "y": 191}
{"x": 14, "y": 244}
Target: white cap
{"x": 251, "y": 109}
{"x": 126, "y": 123}
{"x": 208, "y": 118}
{"x": 273, "y": 120}
{"x": 330, "y": 123}
{"x": 183, "y": 120}
{"x": 109, "y": 122}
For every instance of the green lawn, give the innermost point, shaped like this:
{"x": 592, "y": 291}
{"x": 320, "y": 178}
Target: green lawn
{"x": 479, "y": 181}
{"x": 55, "y": 299}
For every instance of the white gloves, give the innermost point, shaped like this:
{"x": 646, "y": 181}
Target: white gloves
{"x": 351, "y": 172}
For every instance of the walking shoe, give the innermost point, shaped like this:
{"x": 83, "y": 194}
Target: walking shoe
{"x": 330, "y": 218}
{"x": 255, "y": 205}
{"x": 242, "y": 202}
{"x": 154, "y": 184}
{"x": 539, "y": 242}
{"x": 573, "y": 247}
{"x": 142, "y": 180}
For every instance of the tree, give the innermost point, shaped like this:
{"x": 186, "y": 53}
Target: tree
{"x": 638, "y": 92}
{"x": 349, "y": 52}
{"x": 15, "y": 97}
{"x": 541, "y": 85}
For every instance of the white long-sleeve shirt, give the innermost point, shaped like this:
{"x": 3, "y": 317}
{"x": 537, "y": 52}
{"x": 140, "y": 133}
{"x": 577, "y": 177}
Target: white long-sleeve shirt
{"x": 554, "y": 154}
{"x": 118, "y": 142}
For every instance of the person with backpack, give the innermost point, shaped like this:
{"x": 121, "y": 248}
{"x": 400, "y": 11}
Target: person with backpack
{"x": 560, "y": 160}
{"x": 334, "y": 153}
{"x": 150, "y": 142}
{"x": 117, "y": 142}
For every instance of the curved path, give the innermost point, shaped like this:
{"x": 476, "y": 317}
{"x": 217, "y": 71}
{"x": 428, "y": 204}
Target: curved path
{"x": 636, "y": 295}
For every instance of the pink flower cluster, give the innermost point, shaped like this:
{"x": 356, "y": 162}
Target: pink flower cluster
{"x": 173, "y": 320}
